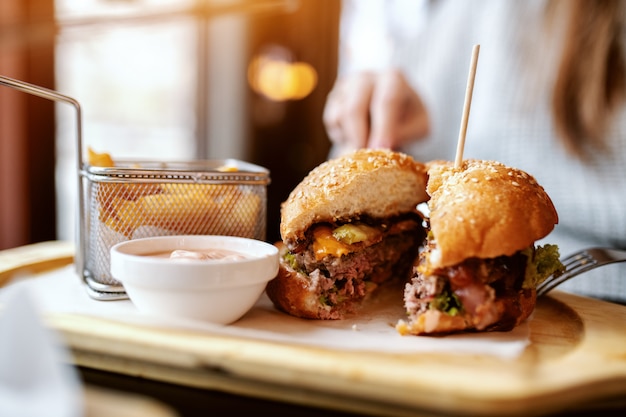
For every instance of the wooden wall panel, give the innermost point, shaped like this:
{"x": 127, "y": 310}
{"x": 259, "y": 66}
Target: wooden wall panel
{"x": 295, "y": 142}
{"x": 27, "y": 125}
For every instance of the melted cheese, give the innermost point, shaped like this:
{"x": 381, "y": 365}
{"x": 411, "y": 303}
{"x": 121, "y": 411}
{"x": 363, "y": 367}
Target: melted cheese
{"x": 326, "y": 244}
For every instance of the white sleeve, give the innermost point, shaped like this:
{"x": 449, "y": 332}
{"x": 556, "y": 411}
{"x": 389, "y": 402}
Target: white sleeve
{"x": 370, "y": 31}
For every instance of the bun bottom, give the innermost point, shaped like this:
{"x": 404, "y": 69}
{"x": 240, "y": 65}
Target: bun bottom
{"x": 292, "y": 293}
{"x": 514, "y": 309}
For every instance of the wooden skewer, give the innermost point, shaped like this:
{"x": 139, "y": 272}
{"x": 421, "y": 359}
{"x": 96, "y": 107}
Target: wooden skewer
{"x": 466, "y": 107}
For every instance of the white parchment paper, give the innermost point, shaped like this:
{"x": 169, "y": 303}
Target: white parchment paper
{"x": 62, "y": 291}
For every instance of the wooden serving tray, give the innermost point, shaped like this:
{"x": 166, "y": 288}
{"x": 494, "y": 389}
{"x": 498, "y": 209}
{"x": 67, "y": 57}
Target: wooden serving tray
{"x": 577, "y": 358}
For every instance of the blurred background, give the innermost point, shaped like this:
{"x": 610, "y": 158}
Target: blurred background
{"x": 158, "y": 80}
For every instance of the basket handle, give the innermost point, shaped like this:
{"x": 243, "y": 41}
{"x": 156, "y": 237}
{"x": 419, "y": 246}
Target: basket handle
{"x": 55, "y": 96}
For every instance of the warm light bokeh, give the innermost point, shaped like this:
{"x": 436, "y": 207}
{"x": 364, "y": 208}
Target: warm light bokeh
{"x": 279, "y": 79}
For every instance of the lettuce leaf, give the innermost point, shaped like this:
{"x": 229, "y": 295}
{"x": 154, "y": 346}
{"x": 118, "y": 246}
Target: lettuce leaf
{"x": 446, "y": 302}
{"x": 543, "y": 261}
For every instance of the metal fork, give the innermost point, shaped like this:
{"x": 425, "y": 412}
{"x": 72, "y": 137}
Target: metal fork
{"x": 579, "y": 262}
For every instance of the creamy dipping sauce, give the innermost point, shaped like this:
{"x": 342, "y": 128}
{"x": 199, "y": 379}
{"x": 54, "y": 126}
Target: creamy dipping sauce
{"x": 205, "y": 255}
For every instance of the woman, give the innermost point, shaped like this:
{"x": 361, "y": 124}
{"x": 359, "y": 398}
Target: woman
{"x": 549, "y": 97}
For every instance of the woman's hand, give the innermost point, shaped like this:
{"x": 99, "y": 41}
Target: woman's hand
{"x": 375, "y": 110}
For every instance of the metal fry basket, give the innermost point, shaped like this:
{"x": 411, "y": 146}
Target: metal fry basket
{"x": 135, "y": 199}
{"x": 142, "y": 199}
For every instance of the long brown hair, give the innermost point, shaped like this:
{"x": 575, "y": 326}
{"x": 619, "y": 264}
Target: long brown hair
{"x": 591, "y": 79}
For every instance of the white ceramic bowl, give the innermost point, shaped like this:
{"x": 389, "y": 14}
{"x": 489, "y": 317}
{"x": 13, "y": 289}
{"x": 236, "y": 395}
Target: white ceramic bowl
{"x": 217, "y": 291}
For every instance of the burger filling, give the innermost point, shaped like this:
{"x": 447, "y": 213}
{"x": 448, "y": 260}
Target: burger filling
{"x": 481, "y": 294}
{"x": 346, "y": 261}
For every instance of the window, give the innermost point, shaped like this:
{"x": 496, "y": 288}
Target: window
{"x": 168, "y": 80}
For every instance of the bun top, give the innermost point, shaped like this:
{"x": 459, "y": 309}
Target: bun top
{"x": 485, "y": 209}
{"x": 368, "y": 182}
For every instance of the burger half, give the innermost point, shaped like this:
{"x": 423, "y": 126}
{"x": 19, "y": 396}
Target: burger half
{"x": 349, "y": 226}
{"x": 479, "y": 267}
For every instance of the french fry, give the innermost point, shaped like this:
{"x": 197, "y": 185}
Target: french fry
{"x": 203, "y": 209}
{"x": 176, "y": 207}
{"x": 98, "y": 159}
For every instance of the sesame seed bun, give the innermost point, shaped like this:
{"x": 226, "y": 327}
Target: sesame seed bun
{"x": 368, "y": 182}
{"x": 485, "y": 209}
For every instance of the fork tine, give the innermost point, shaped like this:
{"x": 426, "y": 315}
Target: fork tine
{"x": 572, "y": 257}
{"x": 554, "y": 281}
{"x": 578, "y": 257}
{"x": 579, "y": 262}
{"x": 574, "y": 264}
